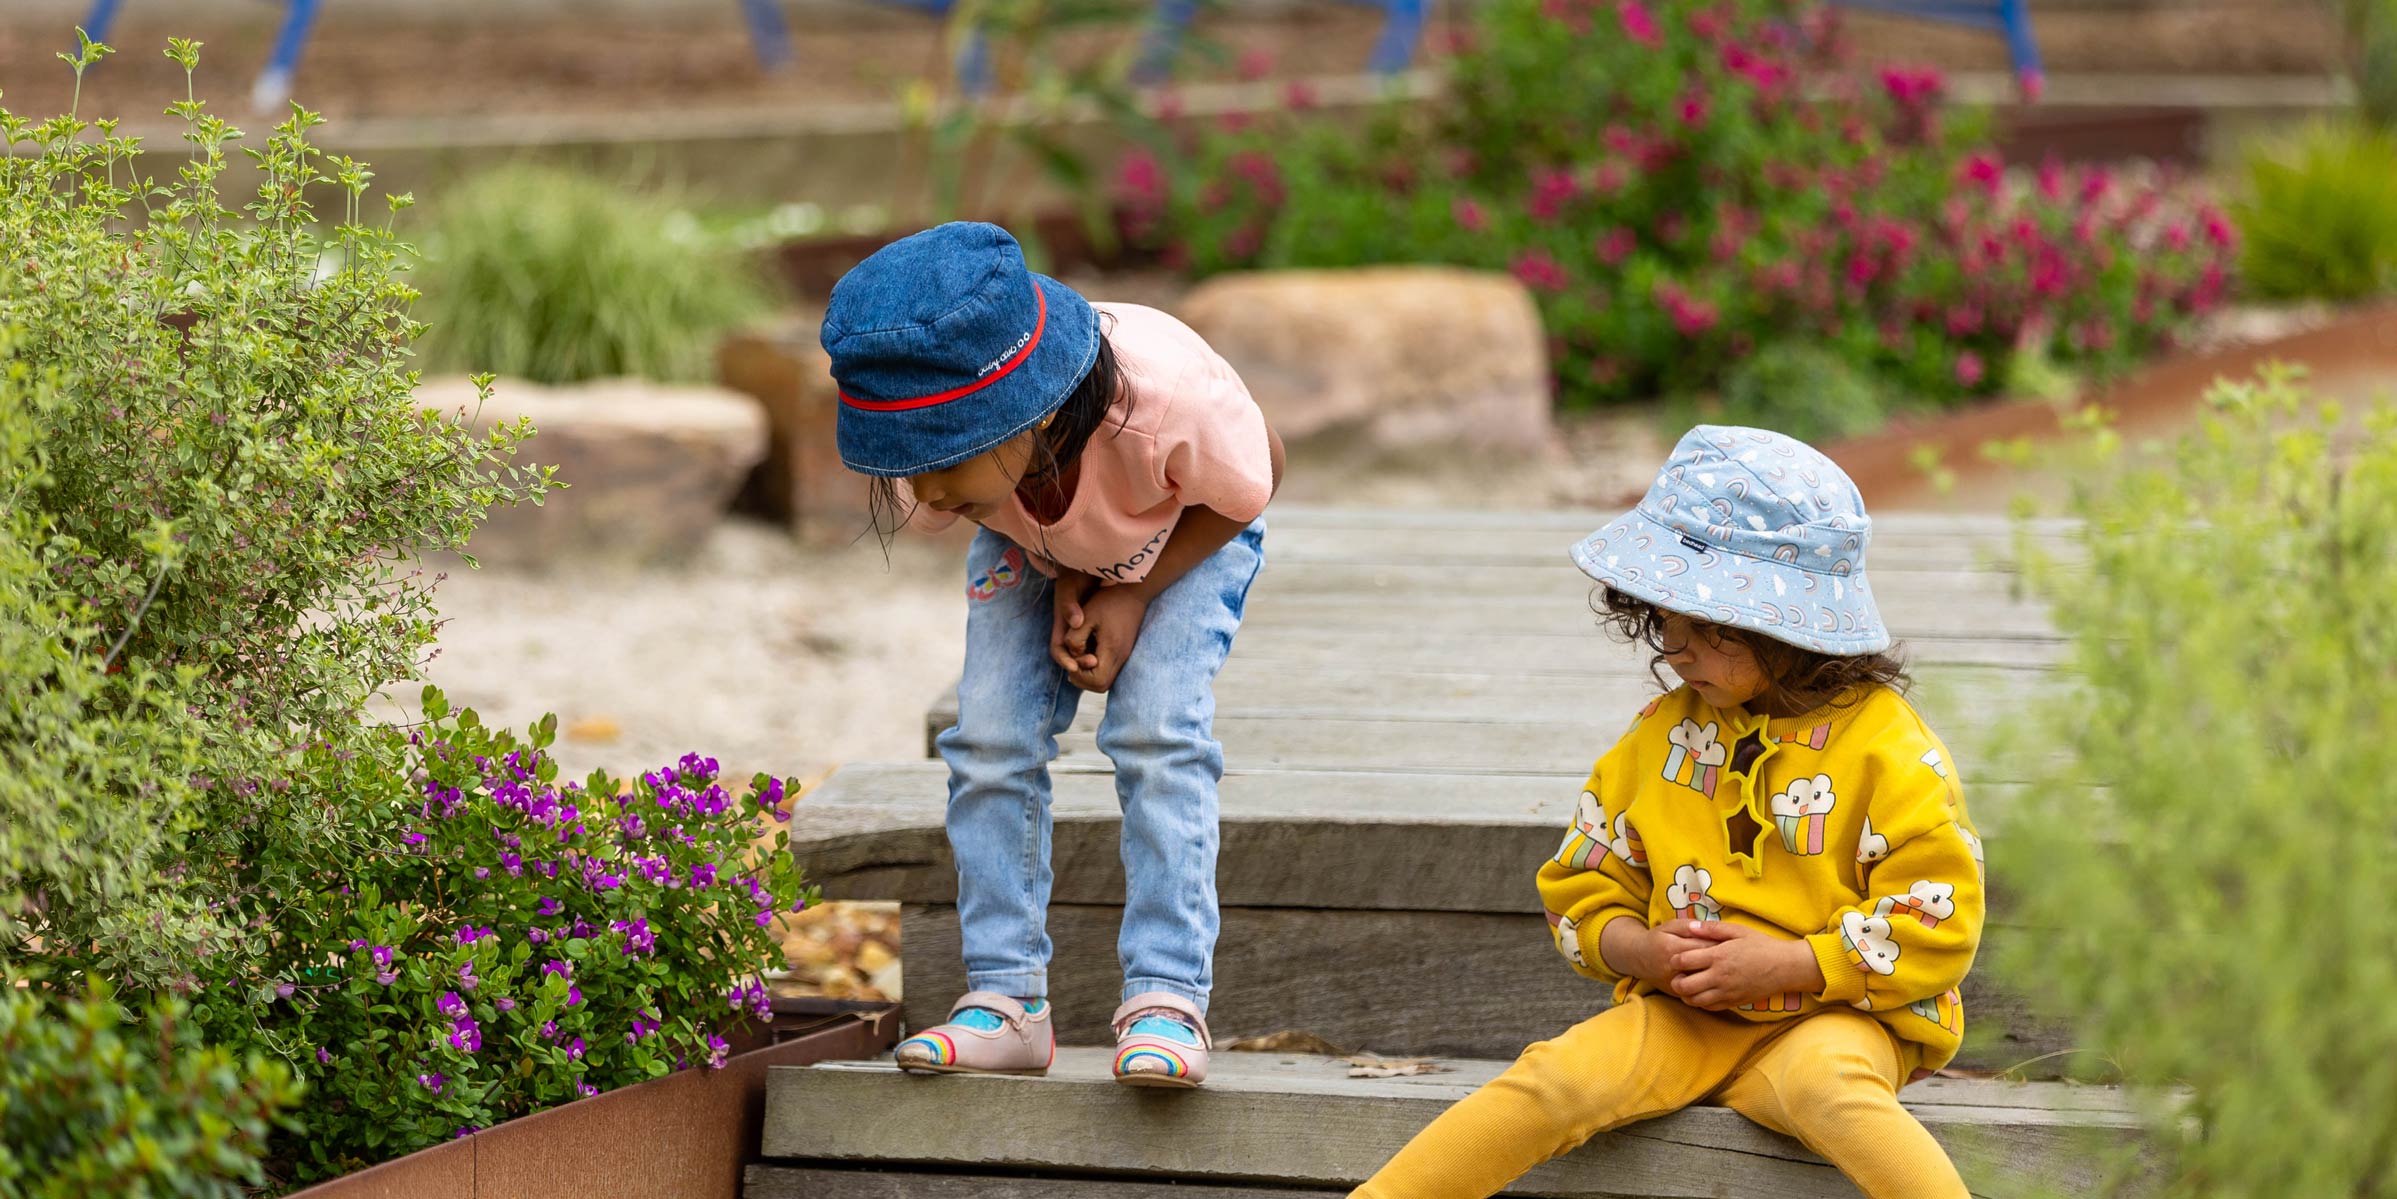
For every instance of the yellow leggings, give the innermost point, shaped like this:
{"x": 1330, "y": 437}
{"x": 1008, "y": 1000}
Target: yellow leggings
{"x": 1829, "y": 1079}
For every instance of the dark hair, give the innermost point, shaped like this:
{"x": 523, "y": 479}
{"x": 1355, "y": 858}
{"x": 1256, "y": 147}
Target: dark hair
{"x": 1054, "y": 448}
{"x": 1797, "y": 680}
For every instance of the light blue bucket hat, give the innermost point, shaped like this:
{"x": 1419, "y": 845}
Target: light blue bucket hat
{"x": 1752, "y": 529}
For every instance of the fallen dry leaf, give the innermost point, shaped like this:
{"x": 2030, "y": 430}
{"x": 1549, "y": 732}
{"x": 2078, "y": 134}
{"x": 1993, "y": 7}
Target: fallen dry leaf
{"x": 598, "y": 730}
{"x": 1367, "y": 1066}
{"x": 1289, "y": 1040}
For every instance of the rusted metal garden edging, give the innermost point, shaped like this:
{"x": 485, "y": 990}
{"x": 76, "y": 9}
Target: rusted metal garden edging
{"x": 685, "y": 1136}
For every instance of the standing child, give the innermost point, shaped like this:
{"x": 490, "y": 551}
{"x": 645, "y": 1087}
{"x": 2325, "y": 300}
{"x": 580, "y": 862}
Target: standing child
{"x": 1120, "y": 472}
{"x": 1773, "y": 866}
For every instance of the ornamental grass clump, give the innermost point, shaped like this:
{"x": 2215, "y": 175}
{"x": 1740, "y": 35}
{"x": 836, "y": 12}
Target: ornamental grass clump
{"x": 2202, "y": 856}
{"x": 520, "y": 941}
{"x": 219, "y": 490}
{"x": 561, "y": 277}
{"x": 1683, "y": 183}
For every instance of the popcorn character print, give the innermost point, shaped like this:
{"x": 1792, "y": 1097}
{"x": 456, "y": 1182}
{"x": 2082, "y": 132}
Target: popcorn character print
{"x": 1626, "y": 843}
{"x": 1587, "y": 838}
{"x": 1568, "y": 938}
{"x": 1800, "y": 810}
{"x": 1697, "y": 756}
{"x": 1869, "y": 943}
{"x": 1928, "y": 902}
{"x": 1945, "y": 1010}
{"x": 1688, "y": 894}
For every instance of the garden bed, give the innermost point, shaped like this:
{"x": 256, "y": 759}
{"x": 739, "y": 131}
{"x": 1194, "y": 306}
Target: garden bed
{"x": 684, "y": 1136}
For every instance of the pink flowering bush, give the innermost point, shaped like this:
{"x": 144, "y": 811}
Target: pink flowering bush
{"x": 525, "y": 942}
{"x": 1683, "y": 183}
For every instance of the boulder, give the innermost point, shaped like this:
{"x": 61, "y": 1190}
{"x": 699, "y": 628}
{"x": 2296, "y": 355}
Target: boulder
{"x": 801, "y": 482}
{"x": 650, "y": 467}
{"x": 1386, "y": 359}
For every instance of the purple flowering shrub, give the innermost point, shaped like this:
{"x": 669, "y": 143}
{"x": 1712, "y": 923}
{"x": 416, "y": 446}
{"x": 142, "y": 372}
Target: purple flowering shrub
{"x": 523, "y": 943}
{"x": 1681, "y": 184}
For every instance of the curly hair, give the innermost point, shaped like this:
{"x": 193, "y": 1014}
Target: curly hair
{"x": 1797, "y": 680}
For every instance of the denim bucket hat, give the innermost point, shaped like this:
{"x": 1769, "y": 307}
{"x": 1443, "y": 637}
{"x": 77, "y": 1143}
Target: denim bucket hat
{"x": 1751, "y": 529}
{"x": 944, "y": 345}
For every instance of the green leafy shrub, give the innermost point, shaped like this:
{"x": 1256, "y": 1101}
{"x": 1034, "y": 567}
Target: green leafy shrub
{"x": 219, "y": 490}
{"x": 2320, "y": 216}
{"x": 523, "y": 942}
{"x": 2206, "y": 840}
{"x": 559, "y": 277}
{"x": 1658, "y": 177}
{"x": 1803, "y": 390}
{"x": 92, "y": 1105}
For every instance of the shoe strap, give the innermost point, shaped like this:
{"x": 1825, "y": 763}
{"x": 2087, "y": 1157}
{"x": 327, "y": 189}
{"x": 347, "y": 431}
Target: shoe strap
{"x": 1167, "y": 1001}
{"x": 991, "y": 1001}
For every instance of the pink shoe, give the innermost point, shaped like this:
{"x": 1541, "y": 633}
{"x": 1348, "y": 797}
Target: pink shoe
{"x": 986, "y": 1034}
{"x": 1150, "y": 1049}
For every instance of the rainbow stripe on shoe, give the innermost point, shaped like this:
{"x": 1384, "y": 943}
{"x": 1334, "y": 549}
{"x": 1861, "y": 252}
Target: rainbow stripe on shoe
{"x": 929, "y": 1048}
{"x": 1150, "y": 1059}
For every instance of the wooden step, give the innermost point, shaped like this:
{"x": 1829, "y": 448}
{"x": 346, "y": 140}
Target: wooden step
{"x": 1298, "y": 1121}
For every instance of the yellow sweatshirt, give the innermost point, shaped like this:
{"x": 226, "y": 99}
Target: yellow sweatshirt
{"x": 1859, "y": 844}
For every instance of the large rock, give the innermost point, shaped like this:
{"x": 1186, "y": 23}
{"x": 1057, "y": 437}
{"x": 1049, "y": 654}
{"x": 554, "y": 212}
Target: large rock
{"x": 802, "y": 482}
{"x": 1386, "y": 359}
{"x": 649, "y": 467}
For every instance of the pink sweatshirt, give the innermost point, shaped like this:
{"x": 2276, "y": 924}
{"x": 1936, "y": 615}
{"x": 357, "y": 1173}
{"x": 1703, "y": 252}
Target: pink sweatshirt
{"x": 1183, "y": 434}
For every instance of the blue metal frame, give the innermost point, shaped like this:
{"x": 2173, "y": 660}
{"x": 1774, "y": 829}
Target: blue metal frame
{"x": 2009, "y": 17}
{"x": 1402, "y": 30}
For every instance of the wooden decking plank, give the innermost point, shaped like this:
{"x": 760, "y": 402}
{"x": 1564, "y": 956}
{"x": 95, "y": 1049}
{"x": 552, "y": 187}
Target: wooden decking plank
{"x": 767, "y": 1181}
{"x": 1301, "y": 1121}
{"x": 1354, "y": 978}
{"x": 1370, "y": 841}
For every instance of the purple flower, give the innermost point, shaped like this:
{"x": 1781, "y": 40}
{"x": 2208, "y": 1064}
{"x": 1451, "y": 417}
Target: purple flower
{"x": 504, "y": 1004}
{"x": 512, "y": 861}
{"x": 643, "y": 1025}
{"x": 284, "y": 990}
{"x": 450, "y": 1004}
{"x": 481, "y": 872}
{"x": 574, "y": 995}
{"x": 703, "y": 874}
{"x": 382, "y": 955}
{"x": 562, "y": 969}
{"x": 549, "y": 1030}
{"x": 574, "y": 1050}
{"x": 467, "y": 1130}
{"x": 433, "y": 1082}
{"x": 466, "y": 976}
{"x": 466, "y": 1034}
{"x": 637, "y": 937}
{"x": 414, "y": 838}
{"x": 765, "y": 916}
{"x": 323, "y": 1058}
{"x": 631, "y": 825}
{"x": 654, "y": 869}
{"x": 586, "y": 1090}
{"x": 535, "y": 935}
{"x": 355, "y": 946}
{"x": 717, "y": 1051}
{"x": 469, "y": 934}
{"x": 547, "y": 906}
{"x": 387, "y": 977}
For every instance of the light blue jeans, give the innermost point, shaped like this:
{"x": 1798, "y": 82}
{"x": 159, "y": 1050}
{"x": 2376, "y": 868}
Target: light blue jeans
{"x": 1158, "y": 730}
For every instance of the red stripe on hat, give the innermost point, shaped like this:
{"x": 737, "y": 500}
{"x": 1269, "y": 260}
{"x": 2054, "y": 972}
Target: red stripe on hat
{"x": 1039, "y": 324}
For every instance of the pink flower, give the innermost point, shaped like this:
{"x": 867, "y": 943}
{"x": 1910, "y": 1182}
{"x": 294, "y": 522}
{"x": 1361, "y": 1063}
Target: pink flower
{"x": 1969, "y": 370}
{"x": 1709, "y": 23}
{"x": 1912, "y": 87}
{"x": 1615, "y": 245}
{"x": 1638, "y": 23}
{"x": 1550, "y": 190}
{"x": 1985, "y": 171}
{"x": 1299, "y": 96}
{"x": 1608, "y": 177}
{"x": 1470, "y": 216}
{"x": 1539, "y": 271}
{"x": 1141, "y": 179}
{"x": 2177, "y": 236}
{"x": 2051, "y": 180}
{"x": 1255, "y": 64}
{"x": 1693, "y": 108}
{"x": 2218, "y": 230}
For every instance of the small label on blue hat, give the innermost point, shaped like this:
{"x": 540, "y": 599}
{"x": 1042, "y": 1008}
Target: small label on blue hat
{"x": 1695, "y": 544}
